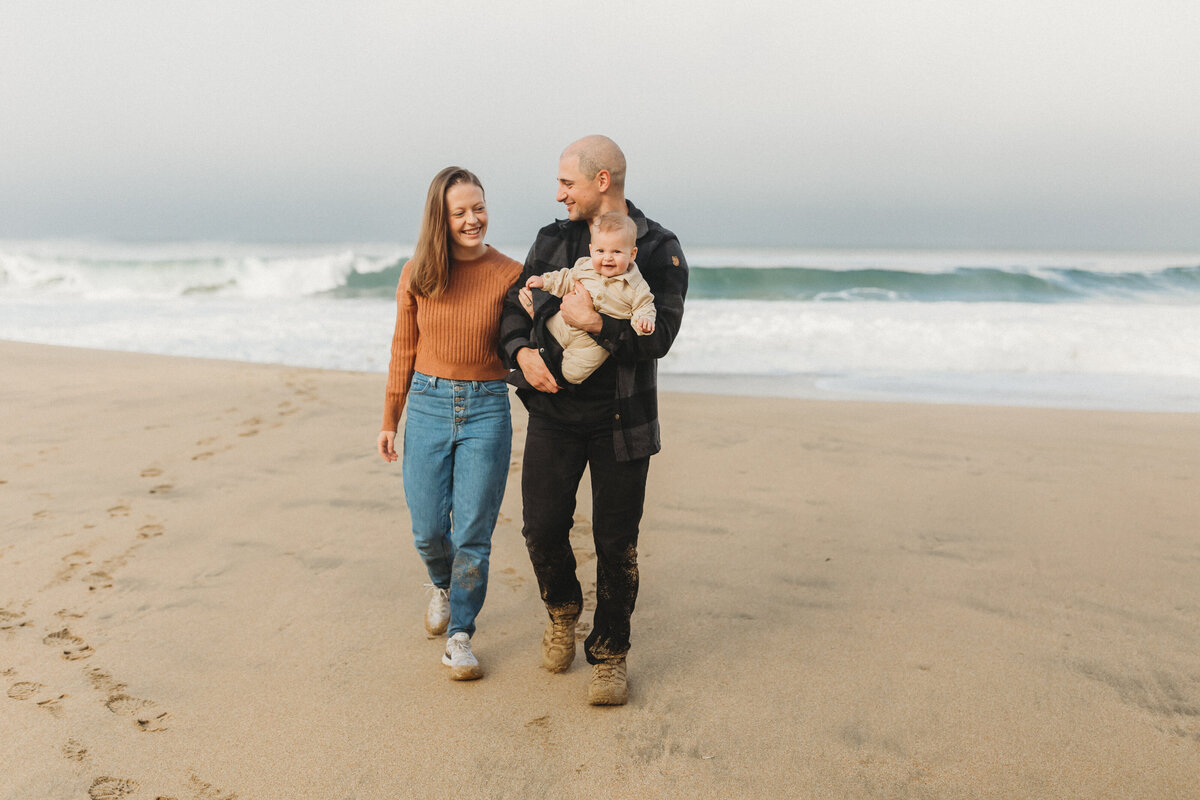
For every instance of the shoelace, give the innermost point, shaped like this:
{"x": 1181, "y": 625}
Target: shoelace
{"x": 433, "y": 588}
{"x": 562, "y": 631}
{"x": 561, "y": 634}
{"x": 607, "y": 670}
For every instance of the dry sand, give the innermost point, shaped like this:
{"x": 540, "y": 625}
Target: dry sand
{"x": 208, "y": 590}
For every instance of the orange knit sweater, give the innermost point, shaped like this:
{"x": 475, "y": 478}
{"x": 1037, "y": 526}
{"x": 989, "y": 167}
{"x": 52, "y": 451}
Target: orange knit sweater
{"x": 453, "y": 336}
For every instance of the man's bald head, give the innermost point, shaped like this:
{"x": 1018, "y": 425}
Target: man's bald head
{"x": 597, "y": 153}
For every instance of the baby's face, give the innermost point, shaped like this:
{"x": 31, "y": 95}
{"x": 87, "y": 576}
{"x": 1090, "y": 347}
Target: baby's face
{"x": 612, "y": 253}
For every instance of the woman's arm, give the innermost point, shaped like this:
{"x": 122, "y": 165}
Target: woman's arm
{"x": 400, "y": 366}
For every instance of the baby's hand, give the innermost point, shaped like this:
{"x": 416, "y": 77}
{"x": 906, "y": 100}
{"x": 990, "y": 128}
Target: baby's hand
{"x": 535, "y": 282}
{"x": 645, "y": 325}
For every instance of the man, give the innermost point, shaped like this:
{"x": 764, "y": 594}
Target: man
{"x": 608, "y": 423}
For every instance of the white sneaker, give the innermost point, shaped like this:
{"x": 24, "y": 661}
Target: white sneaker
{"x": 463, "y": 664}
{"x": 437, "y": 615}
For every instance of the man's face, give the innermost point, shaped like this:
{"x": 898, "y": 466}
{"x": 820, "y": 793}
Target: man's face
{"x": 612, "y": 253}
{"x": 581, "y": 196}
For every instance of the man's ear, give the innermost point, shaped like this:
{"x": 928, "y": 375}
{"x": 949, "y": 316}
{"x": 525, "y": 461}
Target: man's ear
{"x": 603, "y": 180}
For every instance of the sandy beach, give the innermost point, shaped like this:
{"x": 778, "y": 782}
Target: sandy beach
{"x": 208, "y": 591}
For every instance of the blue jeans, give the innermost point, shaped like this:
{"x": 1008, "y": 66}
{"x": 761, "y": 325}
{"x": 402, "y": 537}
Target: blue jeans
{"x": 457, "y": 443}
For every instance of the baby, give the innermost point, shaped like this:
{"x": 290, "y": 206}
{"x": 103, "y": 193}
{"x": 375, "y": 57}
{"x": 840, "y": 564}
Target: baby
{"x": 617, "y": 288}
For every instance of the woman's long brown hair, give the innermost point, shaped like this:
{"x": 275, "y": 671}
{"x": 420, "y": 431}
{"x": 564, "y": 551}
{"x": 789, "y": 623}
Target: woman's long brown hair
{"x": 431, "y": 261}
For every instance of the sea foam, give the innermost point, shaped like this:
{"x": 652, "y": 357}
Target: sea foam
{"x": 1107, "y": 330}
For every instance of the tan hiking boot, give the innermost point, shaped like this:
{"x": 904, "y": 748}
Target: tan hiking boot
{"x": 558, "y": 642}
{"x": 609, "y": 686}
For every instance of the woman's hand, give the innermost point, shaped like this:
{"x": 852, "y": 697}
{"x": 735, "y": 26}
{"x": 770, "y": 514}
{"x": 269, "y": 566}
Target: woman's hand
{"x": 526, "y": 297}
{"x": 386, "y": 443}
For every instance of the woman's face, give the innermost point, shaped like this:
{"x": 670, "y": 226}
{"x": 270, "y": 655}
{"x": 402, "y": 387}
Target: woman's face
{"x": 467, "y": 216}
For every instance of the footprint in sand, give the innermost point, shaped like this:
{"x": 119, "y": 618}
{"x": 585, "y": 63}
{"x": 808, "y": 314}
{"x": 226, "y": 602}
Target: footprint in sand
{"x": 151, "y": 472}
{"x": 125, "y": 705}
{"x": 162, "y": 488}
{"x": 71, "y": 647}
{"x": 509, "y": 577}
{"x": 23, "y": 690}
{"x": 98, "y": 580}
{"x": 121, "y": 510}
{"x": 72, "y": 562}
{"x": 11, "y": 620}
{"x": 43, "y": 514}
{"x": 111, "y": 788}
{"x": 121, "y": 559}
{"x": 74, "y": 750}
{"x": 206, "y": 791}
{"x": 140, "y": 710}
{"x": 154, "y": 724}
{"x": 103, "y": 682}
{"x": 207, "y": 454}
{"x": 53, "y": 705}
{"x": 150, "y": 531}
{"x": 307, "y": 389}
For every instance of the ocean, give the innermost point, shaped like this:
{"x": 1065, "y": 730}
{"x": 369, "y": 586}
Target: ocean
{"x": 1047, "y": 329}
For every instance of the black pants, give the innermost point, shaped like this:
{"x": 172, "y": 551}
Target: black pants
{"x": 555, "y": 456}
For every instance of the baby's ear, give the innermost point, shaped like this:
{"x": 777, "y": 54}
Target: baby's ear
{"x": 633, "y": 253}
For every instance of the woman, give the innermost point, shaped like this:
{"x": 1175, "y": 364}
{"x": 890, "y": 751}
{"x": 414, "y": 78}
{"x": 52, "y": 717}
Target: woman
{"x": 458, "y": 432}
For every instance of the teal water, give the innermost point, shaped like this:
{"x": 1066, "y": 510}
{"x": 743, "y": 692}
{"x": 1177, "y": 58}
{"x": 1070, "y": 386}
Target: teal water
{"x": 963, "y": 284}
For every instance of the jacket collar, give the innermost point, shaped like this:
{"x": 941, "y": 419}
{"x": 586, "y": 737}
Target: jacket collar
{"x": 635, "y": 214}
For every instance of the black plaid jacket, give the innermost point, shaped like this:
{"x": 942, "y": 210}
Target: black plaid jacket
{"x": 661, "y": 262}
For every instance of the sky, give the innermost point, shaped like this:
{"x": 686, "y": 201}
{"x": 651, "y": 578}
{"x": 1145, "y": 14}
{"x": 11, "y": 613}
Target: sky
{"x": 847, "y": 123}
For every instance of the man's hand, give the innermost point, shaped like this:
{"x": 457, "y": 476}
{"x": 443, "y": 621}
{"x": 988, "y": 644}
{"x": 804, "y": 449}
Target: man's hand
{"x": 578, "y": 311}
{"x": 536, "y": 371}
{"x": 386, "y": 444}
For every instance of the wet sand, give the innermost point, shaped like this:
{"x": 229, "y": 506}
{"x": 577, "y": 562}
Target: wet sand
{"x": 208, "y": 590}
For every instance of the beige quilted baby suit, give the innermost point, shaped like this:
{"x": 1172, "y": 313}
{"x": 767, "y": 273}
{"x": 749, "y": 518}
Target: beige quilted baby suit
{"x": 625, "y": 296}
